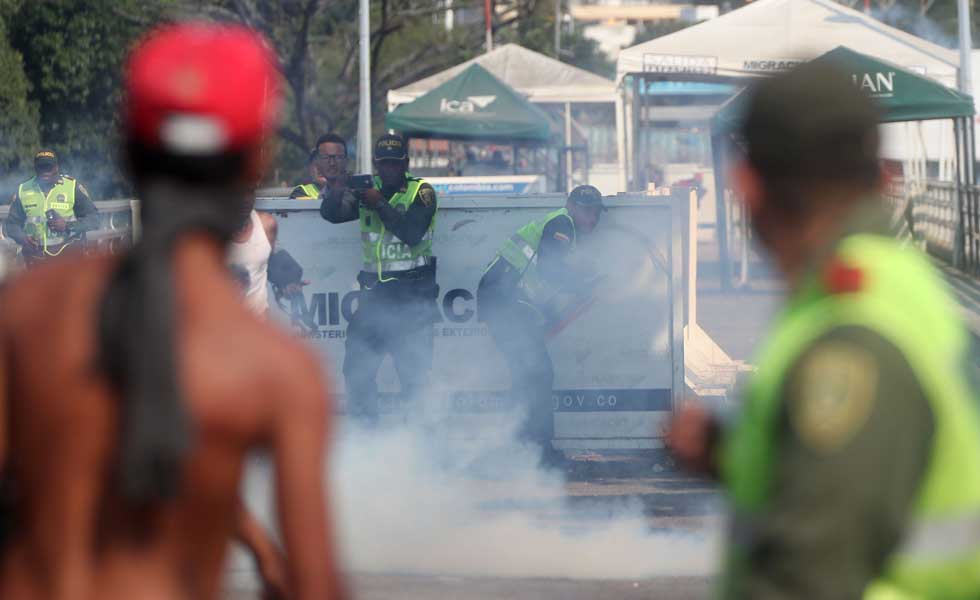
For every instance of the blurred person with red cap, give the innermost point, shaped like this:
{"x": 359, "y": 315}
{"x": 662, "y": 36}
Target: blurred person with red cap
{"x": 49, "y": 212}
{"x": 127, "y": 412}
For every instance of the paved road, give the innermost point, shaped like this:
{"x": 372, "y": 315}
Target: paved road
{"x": 419, "y": 587}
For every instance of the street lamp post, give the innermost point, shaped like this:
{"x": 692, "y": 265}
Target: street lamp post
{"x": 364, "y": 112}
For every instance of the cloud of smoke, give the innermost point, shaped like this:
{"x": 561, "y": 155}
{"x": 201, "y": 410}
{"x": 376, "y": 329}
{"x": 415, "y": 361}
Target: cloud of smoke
{"x": 406, "y": 504}
{"x": 452, "y": 492}
{"x": 916, "y": 23}
{"x": 409, "y": 500}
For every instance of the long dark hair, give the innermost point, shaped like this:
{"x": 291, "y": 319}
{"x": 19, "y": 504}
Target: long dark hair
{"x": 137, "y": 320}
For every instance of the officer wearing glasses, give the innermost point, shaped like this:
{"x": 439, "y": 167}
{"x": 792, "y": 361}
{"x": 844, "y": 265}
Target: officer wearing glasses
{"x": 328, "y": 168}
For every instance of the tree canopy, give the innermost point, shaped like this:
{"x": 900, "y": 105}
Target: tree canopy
{"x": 61, "y": 63}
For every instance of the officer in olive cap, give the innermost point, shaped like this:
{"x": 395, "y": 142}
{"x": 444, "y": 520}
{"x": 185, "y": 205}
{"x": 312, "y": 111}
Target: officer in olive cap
{"x": 519, "y": 298}
{"x": 854, "y": 468}
{"x": 397, "y": 304}
{"x": 49, "y": 212}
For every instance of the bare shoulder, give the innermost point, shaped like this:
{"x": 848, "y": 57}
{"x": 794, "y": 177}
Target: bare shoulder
{"x": 295, "y": 372}
{"x": 268, "y": 220}
{"x": 269, "y": 224}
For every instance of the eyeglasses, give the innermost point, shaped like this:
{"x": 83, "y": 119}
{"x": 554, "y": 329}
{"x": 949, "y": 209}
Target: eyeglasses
{"x": 331, "y": 157}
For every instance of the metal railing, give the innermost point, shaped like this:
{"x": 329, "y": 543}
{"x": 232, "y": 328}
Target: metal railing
{"x": 932, "y": 215}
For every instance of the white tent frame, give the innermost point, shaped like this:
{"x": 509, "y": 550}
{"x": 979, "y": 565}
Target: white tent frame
{"x": 547, "y": 81}
{"x": 763, "y": 37}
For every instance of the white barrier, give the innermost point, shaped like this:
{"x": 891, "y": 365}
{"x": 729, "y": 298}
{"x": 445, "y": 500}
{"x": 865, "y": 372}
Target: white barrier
{"x": 619, "y": 367}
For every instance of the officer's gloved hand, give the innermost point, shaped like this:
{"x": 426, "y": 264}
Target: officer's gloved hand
{"x": 58, "y": 224}
{"x": 31, "y": 247}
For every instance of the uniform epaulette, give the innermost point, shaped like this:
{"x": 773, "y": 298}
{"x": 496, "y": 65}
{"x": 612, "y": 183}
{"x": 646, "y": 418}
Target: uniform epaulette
{"x": 840, "y": 277}
{"x": 69, "y": 177}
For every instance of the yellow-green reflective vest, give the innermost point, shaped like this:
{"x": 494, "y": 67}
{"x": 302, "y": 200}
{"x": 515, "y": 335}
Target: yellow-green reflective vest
{"x": 902, "y": 299}
{"x": 61, "y": 199}
{"x": 382, "y": 252}
{"x": 310, "y": 191}
{"x": 521, "y": 251}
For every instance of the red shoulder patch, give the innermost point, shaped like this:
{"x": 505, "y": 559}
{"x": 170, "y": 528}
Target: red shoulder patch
{"x": 840, "y": 277}
{"x": 561, "y": 237}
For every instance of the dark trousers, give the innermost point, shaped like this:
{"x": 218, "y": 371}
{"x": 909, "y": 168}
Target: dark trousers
{"x": 391, "y": 319}
{"x": 519, "y": 334}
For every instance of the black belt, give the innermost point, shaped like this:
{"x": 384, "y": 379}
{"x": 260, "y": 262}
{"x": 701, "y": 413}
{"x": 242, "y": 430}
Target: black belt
{"x": 369, "y": 280}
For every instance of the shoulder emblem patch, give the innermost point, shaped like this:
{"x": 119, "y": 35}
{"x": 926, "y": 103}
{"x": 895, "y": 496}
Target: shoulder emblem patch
{"x": 838, "y": 382}
{"x": 427, "y": 196}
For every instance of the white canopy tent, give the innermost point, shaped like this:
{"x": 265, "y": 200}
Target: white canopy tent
{"x": 546, "y": 81}
{"x": 768, "y": 36}
{"x": 541, "y": 78}
{"x": 772, "y": 35}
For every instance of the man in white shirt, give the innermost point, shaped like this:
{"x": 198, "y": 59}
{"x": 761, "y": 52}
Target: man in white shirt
{"x": 255, "y": 262}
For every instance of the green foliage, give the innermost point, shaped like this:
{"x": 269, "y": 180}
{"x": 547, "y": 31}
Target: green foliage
{"x": 61, "y": 63}
{"x": 535, "y": 30}
{"x": 73, "y": 56}
{"x": 18, "y": 117}
{"x": 653, "y": 30}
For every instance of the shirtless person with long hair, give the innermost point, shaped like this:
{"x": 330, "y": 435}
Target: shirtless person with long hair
{"x": 132, "y": 388}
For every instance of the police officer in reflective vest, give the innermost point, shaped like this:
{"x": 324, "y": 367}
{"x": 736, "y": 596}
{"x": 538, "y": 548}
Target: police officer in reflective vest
{"x": 50, "y": 212}
{"x": 523, "y": 294}
{"x": 854, "y": 465}
{"x": 311, "y": 189}
{"x": 396, "y": 306}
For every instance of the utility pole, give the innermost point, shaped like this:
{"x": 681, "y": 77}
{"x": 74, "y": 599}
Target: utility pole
{"x": 488, "y": 22}
{"x": 966, "y": 47}
{"x": 558, "y": 29}
{"x": 364, "y": 112}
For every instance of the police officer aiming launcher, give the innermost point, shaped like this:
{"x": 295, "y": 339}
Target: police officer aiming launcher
{"x": 397, "y": 302}
{"x": 49, "y": 212}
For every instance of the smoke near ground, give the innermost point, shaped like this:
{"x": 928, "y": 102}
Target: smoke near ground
{"x": 411, "y": 501}
{"x": 408, "y": 502}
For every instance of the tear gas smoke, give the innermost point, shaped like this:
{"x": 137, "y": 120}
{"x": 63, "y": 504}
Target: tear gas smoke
{"x": 407, "y": 500}
{"x": 916, "y": 23}
{"x": 408, "y": 505}
{"x": 453, "y": 492}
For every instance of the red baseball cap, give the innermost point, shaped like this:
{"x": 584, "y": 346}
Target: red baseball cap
{"x": 200, "y": 89}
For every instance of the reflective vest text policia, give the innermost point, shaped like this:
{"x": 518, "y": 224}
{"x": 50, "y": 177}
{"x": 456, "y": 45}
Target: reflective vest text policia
{"x": 901, "y": 299}
{"x": 382, "y": 252}
{"x": 521, "y": 251}
{"x": 61, "y": 199}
